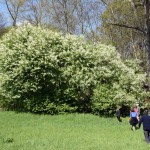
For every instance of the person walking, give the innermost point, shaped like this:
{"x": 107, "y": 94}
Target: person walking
{"x": 145, "y": 119}
{"x": 138, "y": 109}
{"x": 118, "y": 114}
{"x": 133, "y": 119}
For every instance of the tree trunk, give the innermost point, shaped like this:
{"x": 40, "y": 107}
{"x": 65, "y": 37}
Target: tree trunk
{"x": 147, "y": 14}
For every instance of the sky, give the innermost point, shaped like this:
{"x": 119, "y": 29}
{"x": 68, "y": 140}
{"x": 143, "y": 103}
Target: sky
{"x": 4, "y": 11}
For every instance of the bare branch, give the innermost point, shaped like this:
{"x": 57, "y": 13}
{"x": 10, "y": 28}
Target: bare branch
{"x": 9, "y": 9}
{"x": 129, "y": 27}
{"x": 104, "y": 2}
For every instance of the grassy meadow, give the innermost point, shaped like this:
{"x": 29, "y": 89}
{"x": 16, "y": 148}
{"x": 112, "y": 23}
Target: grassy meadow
{"x": 25, "y": 131}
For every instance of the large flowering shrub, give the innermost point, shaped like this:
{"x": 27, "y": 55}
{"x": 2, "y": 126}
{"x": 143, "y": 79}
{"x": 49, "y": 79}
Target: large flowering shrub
{"x": 45, "y": 71}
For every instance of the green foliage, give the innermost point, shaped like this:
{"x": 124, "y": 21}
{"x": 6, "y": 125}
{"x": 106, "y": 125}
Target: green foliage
{"x": 103, "y": 100}
{"x": 45, "y": 72}
{"x": 47, "y": 107}
{"x": 117, "y": 19}
{"x": 122, "y": 87}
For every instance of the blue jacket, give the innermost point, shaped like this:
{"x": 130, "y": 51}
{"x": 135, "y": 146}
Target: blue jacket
{"x": 146, "y": 122}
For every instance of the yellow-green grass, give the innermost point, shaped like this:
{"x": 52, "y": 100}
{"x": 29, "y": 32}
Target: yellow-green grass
{"x": 25, "y": 131}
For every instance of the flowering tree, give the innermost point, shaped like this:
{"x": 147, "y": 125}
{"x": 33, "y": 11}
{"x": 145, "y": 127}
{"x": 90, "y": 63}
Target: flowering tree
{"x": 45, "y": 71}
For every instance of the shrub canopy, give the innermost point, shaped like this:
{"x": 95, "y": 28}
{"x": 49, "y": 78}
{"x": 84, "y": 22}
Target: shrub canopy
{"x": 45, "y": 71}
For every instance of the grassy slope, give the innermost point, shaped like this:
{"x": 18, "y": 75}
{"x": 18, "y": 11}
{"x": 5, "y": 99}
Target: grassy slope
{"x": 67, "y": 132}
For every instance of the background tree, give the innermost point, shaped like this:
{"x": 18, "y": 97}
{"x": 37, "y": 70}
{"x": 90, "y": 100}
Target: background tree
{"x": 2, "y": 24}
{"x": 35, "y": 12}
{"x": 14, "y": 8}
{"x": 64, "y": 14}
{"x": 147, "y": 20}
{"x": 73, "y": 16}
{"x": 123, "y": 30}
{"x": 128, "y": 23}
{"x": 76, "y": 16}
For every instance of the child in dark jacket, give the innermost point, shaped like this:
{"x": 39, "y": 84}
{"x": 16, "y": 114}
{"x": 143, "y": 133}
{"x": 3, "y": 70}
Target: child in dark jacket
{"x": 118, "y": 114}
{"x": 146, "y": 125}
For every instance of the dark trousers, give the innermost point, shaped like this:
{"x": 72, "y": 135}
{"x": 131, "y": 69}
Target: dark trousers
{"x": 147, "y": 135}
{"x": 119, "y": 119}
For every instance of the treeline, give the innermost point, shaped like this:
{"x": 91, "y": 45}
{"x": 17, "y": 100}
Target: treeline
{"x": 71, "y": 16}
{"x": 123, "y": 24}
{"x": 43, "y": 71}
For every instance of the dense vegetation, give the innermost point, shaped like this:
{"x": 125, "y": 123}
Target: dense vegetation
{"x": 47, "y": 72}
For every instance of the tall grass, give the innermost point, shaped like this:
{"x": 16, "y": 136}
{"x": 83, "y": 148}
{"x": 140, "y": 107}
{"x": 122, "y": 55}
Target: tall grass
{"x": 24, "y": 131}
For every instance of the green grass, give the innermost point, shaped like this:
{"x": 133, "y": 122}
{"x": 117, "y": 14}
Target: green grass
{"x": 24, "y": 131}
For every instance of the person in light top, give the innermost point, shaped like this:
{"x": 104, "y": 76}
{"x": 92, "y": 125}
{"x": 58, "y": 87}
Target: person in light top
{"x": 138, "y": 109}
{"x": 133, "y": 118}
